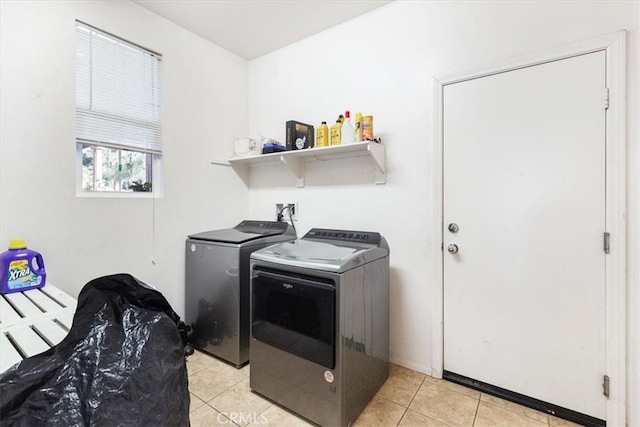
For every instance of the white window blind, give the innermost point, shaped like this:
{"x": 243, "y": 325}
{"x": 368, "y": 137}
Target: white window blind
{"x": 117, "y": 92}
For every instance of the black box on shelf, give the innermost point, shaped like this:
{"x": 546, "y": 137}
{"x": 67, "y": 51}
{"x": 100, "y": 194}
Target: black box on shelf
{"x": 299, "y": 135}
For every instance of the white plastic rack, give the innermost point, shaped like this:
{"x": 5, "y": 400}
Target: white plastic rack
{"x": 32, "y": 322}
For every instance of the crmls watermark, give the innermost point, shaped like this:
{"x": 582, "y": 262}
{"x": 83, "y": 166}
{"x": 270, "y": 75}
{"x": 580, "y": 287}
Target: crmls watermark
{"x": 242, "y": 418}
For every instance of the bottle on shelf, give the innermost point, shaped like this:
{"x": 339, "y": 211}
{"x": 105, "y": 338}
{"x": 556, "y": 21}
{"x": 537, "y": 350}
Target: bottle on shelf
{"x": 322, "y": 135}
{"x": 336, "y": 131}
{"x": 367, "y": 128}
{"x": 358, "y": 127}
{"x": 348, "y": 133}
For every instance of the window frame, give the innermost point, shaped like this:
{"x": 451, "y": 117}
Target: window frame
{"x": 80, "y": 144}
{"x": 156, "y": 181}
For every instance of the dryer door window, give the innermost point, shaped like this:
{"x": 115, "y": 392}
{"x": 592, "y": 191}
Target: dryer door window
{"x": 295, "y": 314}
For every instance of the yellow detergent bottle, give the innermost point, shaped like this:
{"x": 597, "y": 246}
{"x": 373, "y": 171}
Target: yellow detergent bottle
{"x": 322, "y": 135}
{"x": 336, "y": 131}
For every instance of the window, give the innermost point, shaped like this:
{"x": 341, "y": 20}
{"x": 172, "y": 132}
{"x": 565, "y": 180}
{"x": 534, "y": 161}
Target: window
{"x": 118, "y": 111}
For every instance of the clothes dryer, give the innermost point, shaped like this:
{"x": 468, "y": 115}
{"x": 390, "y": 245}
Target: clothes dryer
{"x": 320, "y": 323}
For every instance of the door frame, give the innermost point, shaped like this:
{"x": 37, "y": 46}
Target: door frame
{"x": 615, "y": 261}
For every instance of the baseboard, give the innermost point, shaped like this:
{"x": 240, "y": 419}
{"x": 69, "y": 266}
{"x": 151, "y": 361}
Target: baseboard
{"x": 412, "y": 365}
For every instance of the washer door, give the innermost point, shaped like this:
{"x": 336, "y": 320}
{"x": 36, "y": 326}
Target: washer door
{"x": 295, "y": 314}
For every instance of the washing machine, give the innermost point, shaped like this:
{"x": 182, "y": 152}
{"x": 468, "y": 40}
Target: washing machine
{"x": 320, "y": 323}
{"x": 217, "y": 311}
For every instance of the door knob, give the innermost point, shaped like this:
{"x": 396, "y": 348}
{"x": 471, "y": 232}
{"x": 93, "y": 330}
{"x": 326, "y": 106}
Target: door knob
{"x": 452, "y": 248}
{"x": 453, "y": 227}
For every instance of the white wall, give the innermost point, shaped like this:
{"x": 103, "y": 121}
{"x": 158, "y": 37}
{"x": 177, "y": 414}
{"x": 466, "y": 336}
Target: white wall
{"x": 383, "y": 64}
{"x": 204, "y": 110}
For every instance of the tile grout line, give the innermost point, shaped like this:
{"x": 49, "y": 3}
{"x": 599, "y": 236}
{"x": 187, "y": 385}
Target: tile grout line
{"x": 413, "y": 398}
{"x": 402, "y": 416}
{"x": 201, "y": 400}
{"x": 447, "y": 389}
{"x": 268, "y": 407}
{"x": 224, "y": 391}
{"x": 222, "y": 413}
{"x": 475, "y": 416}
{"x": 406, "y": 408}
{"x": 416, "y": 393}
{"x": 215, "y": 396}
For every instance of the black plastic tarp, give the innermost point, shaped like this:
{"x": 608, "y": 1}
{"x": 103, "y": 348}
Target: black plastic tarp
{"x": 122, "y": 364}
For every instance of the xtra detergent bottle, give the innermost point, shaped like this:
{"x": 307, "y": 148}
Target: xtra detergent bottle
{"x": 21, "y": 269}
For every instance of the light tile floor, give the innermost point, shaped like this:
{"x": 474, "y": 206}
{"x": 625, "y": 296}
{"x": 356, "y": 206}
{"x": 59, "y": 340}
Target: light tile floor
{"x": 220, "y": 396}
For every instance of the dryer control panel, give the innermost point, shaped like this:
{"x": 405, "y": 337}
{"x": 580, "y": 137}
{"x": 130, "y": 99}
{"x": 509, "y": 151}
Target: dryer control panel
{"x": 367, "y": 237}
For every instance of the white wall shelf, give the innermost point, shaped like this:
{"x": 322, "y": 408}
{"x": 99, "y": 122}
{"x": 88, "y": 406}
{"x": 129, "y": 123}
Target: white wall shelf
{"x": 295, "y": 160}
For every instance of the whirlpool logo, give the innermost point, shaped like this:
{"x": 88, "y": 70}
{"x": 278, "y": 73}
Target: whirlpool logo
{"x": 287, "y": 286}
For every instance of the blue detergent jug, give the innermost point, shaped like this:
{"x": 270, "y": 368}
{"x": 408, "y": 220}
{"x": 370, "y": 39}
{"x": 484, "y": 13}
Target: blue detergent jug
{"x": 21, "y": 269}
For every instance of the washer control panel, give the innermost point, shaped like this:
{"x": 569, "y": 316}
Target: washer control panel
{"x": 367, "y": 237}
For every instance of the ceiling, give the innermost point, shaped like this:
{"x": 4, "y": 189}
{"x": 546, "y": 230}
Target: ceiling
{"x": 252, "y": 28}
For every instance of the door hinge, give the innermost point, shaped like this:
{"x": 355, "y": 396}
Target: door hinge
{"x": 606, "y": 243}
{"x": 605, "y": 385}
{"x": 606, "y": 98}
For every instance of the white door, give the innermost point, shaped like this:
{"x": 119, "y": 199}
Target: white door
{"x": 524, "y": 180}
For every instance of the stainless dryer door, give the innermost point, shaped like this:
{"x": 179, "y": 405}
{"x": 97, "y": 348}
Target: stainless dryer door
{"x": 295, "y": 313}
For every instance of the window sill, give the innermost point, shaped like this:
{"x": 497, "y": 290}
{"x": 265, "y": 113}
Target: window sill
{"x": 118, "y": 194}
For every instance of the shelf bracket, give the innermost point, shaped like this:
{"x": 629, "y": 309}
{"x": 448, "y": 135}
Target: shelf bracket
{"x": 296, "y": 166}
{"x": 377, "y": 153}
{"x": 243, "y": 172}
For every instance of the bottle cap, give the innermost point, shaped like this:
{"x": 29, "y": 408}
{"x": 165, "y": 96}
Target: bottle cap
{"x": 19, "y": 243}
{"x": 347, "y": 114}
{"x": 323, "y": 123}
